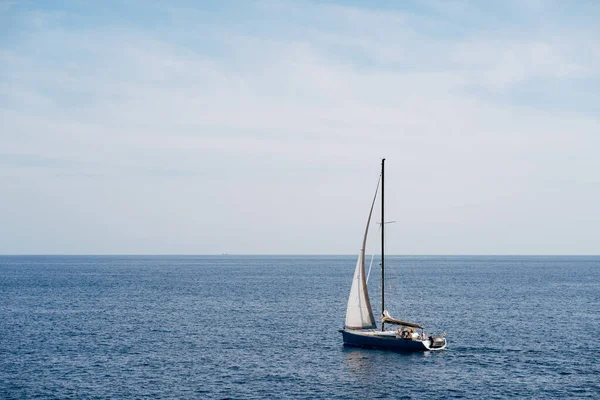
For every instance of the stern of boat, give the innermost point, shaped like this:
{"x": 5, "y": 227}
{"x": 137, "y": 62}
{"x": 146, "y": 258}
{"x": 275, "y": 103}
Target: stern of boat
{"x": 435, "y": 343}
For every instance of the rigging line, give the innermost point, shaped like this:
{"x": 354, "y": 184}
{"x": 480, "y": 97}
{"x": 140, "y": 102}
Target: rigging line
{"x": 373, "y": 256}
{"x": 364, "y": 245}
{"x": 393, "y": 269}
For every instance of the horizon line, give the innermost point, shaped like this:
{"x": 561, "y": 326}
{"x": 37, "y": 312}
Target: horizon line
{"x": 280, "y": 255}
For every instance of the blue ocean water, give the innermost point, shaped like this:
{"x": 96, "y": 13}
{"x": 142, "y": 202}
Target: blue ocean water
{"x": 245, "y": 327}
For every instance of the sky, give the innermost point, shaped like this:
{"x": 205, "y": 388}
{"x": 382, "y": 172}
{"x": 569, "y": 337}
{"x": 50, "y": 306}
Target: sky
{"x": 257, "y": 127}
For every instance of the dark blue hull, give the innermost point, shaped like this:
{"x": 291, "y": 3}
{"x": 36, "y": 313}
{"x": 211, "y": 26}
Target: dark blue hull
{"x": 389, "y": 342}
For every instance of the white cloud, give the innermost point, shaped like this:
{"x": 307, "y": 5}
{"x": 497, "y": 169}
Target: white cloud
{"x": 271, "y": 138}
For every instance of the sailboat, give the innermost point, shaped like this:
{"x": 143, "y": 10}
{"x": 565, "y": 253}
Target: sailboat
{"x": 360, "y": 329}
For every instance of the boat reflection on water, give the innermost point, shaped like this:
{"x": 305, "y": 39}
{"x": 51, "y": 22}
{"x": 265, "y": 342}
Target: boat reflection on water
{"x": 360, "y": 363}
{"x": 365, "y": 366}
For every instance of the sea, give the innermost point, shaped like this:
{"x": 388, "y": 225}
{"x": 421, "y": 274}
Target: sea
{"x": 266, "y": 327}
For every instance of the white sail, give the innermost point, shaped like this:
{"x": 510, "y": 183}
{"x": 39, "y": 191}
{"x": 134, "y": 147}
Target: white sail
{"x": 359, "y": 314}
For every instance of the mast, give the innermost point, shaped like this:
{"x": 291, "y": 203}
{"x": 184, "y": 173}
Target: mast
{"x": 382, "y": 245}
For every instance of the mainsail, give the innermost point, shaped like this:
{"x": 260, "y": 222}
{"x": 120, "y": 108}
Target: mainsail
{"x": 359, "y": 314}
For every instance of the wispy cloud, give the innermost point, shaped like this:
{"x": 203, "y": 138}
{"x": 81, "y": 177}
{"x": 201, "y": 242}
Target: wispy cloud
{"x": 270, "y": 97}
